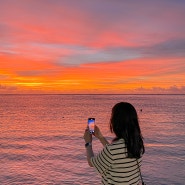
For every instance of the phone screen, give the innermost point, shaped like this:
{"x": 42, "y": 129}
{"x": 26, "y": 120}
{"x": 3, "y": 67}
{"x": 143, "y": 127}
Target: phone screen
{"x": 91, "y": 124}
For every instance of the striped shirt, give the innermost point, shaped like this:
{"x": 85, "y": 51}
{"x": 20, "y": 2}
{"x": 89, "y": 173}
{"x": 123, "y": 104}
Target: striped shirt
{"x": 115, "y": 167}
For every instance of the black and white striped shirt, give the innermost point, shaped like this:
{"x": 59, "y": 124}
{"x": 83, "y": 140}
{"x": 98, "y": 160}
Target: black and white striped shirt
{"x": 114, "y": 165}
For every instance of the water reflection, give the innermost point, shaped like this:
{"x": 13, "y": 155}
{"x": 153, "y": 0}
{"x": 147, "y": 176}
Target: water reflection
{"x": 41, "y": 137}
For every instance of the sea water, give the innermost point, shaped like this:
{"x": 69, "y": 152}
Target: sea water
{"x": 41, "y": 137}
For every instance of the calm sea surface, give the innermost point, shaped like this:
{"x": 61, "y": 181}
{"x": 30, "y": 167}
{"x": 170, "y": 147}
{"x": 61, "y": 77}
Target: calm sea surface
{"x": 41, "y": 137}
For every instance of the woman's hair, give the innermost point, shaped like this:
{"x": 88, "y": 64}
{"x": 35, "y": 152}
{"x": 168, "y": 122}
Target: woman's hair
{"x": 124, "y": 123}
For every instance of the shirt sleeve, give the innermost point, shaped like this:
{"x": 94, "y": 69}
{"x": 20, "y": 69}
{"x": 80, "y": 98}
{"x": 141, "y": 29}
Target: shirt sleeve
{"x": 103, "y": 161}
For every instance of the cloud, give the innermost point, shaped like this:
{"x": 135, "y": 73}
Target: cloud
{"x": 2, "y": 87}
{"x": 169, "y": 48}
{"x": 159, "y": 90}
{"x": 3, "y": 77}
{"x": 80, "y": 55}
{"x": 118, "y": 41}
{"x": 86, "y": 22}
{"x": 83, "y": 55}
{"x": 176, "y": 89}
{"x": 29, "y": 73}
{"x": 7, "y": 88}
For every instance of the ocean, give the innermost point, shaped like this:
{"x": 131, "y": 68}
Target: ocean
{"x": 41, "y": 137}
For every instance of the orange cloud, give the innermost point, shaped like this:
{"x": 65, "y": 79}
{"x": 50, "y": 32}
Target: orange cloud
{"x": 26, "y": 75}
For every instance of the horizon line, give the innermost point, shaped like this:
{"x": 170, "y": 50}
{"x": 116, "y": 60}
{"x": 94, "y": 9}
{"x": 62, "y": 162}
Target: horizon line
{"x": 92, "y": 94}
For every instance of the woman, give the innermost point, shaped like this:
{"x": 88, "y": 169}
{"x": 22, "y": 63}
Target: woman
{"x": 118, "y": 163}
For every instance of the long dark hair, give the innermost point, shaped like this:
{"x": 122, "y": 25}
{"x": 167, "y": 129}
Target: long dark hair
{"x": 124, "y": 123}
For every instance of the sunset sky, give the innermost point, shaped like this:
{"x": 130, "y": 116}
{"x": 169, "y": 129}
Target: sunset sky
{"x": 92, "y": 46}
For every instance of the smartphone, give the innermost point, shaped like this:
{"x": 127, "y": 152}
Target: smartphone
{"x": 91, "y": 124}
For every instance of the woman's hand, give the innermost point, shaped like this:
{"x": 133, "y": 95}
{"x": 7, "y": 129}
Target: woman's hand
{"x": 97, "y": 133}
{"x": 87, "y": 136}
